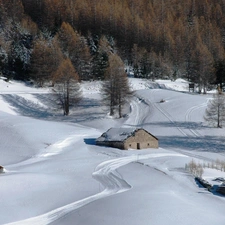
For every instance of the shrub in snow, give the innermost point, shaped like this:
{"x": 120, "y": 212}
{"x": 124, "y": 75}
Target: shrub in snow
{"x": 217, "y": 164}
{"x": 195, "y": 168}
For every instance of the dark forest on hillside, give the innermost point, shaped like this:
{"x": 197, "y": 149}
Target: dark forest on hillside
{"x": 156, "y": 38}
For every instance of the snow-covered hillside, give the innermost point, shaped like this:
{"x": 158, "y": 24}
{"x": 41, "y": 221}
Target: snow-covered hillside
{"x": 54, "y": 173}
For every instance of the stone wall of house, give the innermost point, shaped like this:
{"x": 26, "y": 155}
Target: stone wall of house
{"x": 141, "y": 140}
{"x": 113, "y": 144}
{"x": 128, "y": 144}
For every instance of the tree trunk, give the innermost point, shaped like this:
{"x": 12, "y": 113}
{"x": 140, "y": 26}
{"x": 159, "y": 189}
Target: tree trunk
{"x": 67, "y": 100}
{"x": 218, "y": 117}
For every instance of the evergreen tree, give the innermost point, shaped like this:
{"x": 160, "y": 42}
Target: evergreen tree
{"x": 100, "y": 63}
{"x": 136, "y": 57}
{"x": 100, "y": 58}
{"x": 220, "y": 73}
{"x": 20, "y": 53}
{"x": 145, "y": 64}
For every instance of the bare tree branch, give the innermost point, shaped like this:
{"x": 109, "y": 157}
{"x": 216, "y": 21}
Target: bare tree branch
{"x": 215, "y": 112}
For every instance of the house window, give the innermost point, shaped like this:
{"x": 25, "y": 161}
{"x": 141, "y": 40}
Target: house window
{"x": 129, "y": 145}
{"x": 148, "y": 144}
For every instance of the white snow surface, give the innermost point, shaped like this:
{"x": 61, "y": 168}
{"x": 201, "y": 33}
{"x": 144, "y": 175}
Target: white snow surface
{"x": 55, "y": 174}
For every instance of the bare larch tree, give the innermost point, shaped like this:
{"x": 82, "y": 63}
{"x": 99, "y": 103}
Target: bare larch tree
{"x": 66, "y": 86}
{"x": 115, "y": 88}
{"x": 215, "y": 111}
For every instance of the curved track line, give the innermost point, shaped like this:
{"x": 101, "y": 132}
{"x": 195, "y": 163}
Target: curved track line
{"x": 190, "y": 110}
{"x": 169, "y": 118}
{"x": 107, "y": 175}
{"x": 188, "y": 117}
{"x": 52, "y": 150}
{"x": 137, "y": 116}
{"x": 167, "y": 115}
{"x": 135, "y": 111}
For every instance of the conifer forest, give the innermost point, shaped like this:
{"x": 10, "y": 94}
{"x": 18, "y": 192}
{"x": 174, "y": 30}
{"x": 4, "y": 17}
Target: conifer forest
{"x": 154, "y": 38}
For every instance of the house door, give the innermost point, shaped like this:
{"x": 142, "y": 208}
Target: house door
{"x": 138, "y": 146}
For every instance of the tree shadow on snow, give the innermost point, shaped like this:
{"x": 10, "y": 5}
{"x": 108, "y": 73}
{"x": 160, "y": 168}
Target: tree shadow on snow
{"x": 46, "y": 108}
{"x": 26, "y": 107}
{"x": 205, "y": 144}
{"x": 183, "y": 125}
{"x": 89, "y": 103}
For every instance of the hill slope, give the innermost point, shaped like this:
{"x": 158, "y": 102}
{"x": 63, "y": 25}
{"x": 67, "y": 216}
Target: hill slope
{"x": 55, "y": 174}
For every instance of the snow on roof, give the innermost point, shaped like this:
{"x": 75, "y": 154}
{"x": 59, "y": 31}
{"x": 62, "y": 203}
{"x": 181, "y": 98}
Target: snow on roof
{"x": 117, "y": 134}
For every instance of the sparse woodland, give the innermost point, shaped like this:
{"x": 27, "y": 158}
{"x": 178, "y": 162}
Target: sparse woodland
{"x": 156, "y": 38}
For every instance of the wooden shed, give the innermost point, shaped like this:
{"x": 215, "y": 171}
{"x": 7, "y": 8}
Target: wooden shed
{"x": 128, "y": 138}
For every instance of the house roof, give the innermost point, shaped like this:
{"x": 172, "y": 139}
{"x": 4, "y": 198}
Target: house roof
{"x": 119, "y": 134}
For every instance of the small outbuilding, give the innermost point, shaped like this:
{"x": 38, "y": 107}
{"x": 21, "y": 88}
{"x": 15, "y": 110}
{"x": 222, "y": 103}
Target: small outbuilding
{"x": 128, "y": 138}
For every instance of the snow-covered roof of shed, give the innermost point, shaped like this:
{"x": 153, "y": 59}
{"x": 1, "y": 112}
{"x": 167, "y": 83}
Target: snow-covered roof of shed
{"x": 117, "y": 134}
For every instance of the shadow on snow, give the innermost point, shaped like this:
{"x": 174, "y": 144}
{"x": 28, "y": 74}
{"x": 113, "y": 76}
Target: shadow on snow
{"x": 87, "y": 109}
{"x": 205, "y": 144}
{"x": 183, "y": 125}
{"x": 89, "y": 141}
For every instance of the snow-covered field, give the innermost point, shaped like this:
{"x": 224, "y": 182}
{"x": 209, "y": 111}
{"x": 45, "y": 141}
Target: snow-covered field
{"x": 54, "y": 173}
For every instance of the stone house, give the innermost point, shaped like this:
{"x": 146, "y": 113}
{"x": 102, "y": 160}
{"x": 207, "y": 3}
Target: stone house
{"x": 128, "y": 138}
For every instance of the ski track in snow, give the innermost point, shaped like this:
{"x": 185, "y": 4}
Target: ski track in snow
{"x": 169, "y": 117}
{"x": 166, "y": 114}
{"x": 134, "y": 108}
{"x": 188, "y": 116}
{"x": 106, "y": 173}
{"x": 138, "y": 117}
{"x": 52, "y": 150}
